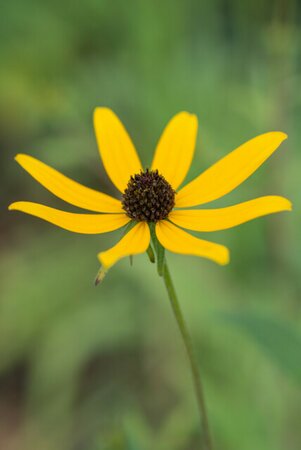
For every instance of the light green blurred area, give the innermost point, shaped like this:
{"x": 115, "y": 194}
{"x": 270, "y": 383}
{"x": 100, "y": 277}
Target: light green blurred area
{"x": 104, "y": 368}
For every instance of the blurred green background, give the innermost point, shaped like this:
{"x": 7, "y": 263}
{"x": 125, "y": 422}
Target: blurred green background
{"x": 85, "y": 368}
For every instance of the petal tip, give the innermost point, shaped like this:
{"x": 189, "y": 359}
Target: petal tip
{"x": 281, "y": 135}
{"x": 276, "y": 137}
{"x": 100, "y": 110}
{"x": 23, "y": 160}
{"x": 286, "y": 205}
{"x": 225, "y": 259}
{"x": 16, "y": 206}
{"x": 195, "y": 120}
{"x": 19, "y": 157}
{"x": 96, "y": 112}
{"x": 193, "y": 117}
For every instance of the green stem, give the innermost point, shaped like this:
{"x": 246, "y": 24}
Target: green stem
{"x": 191, "y": 356}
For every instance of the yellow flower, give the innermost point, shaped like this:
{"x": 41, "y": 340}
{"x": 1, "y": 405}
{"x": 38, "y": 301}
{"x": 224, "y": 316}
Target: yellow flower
{"x": 154, "y": 196}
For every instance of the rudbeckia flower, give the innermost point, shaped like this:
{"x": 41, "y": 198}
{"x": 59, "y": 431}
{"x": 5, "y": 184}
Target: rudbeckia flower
{"x": 155, "y": 196}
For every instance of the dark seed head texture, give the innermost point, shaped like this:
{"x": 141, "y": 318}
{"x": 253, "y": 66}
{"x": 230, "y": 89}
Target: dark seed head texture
{"x": 148, "y": 197}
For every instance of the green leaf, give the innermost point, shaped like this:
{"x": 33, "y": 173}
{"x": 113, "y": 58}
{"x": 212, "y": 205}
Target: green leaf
{"x": 277, "y": 338}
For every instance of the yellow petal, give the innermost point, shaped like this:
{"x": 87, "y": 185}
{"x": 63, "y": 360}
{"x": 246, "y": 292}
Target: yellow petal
{"x": 134, "y": 242}
{"x": 68, "y": 190}
{"x": 116, "y": 149}
{"x": 178, "y": 241}
{"x": 230, "y": 171}
{"x": 78, "y": 223}
{"x": 175, "y": 149}
{"x": 223, "y": 218}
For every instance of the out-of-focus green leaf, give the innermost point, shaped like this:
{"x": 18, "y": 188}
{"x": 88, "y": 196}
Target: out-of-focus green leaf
{"x": 279, "y": 340}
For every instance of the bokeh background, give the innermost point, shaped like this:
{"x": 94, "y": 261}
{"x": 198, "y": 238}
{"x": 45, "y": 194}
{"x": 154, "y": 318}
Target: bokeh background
{"x": 85, "y": 368}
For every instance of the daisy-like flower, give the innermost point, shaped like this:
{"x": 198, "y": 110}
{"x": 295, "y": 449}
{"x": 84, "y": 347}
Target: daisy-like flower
{"x": 154, "y": 196}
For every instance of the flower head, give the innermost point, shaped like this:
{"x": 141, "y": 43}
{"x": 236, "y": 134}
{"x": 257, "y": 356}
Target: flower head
{"x": 148, "y": 197}
{"x": 152, "y": 196}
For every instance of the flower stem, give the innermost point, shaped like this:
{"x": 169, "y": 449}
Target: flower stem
{"x": 191, "y": 356}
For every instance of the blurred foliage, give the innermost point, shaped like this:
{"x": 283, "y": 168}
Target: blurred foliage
{"x": 104, "y": 369}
